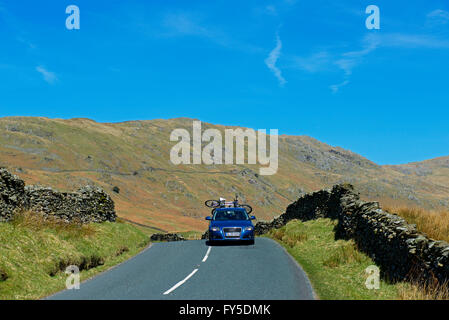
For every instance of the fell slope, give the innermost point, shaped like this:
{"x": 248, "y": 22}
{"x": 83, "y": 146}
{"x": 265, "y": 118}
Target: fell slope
{"x": 135, "y": 156}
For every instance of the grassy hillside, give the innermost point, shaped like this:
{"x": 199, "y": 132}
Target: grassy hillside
{"x": 337, "y": 269}
{"x": 134, "y": 156}
{"x": 35, "y": 253}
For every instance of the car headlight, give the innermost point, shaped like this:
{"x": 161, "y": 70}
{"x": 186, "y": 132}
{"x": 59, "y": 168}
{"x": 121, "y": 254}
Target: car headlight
{"x": 215, "y": 229}
{"x": 249, "y": 229}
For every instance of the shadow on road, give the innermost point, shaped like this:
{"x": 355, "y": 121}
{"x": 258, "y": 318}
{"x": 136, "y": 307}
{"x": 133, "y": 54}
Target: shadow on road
{"x": 232, "y": 243}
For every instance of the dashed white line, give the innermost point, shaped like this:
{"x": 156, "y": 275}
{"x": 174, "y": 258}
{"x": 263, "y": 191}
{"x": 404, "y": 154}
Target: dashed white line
{"x": 207, "y": 254}
{"x": 180, "y": 283}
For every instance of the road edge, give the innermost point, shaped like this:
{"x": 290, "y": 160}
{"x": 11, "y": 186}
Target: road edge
{"x": 309, "y": 283}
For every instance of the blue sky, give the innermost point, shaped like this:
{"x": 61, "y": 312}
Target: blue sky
{"x": 303, "y": 67}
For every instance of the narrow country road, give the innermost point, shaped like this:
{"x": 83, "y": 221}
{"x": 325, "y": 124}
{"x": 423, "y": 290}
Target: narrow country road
{"x": 193, "y": 270}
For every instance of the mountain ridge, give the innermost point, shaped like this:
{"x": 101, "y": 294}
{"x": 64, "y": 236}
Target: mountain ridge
{"x": 134, "y": 156}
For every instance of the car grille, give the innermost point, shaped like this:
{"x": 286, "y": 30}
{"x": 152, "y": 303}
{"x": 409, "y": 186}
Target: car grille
{"x": 226, "y": 230}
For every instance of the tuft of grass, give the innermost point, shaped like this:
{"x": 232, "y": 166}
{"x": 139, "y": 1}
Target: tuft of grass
{"x": 36, "y": 251}
{"x": 122, "y": 250}
{"x": 277, "y": 234}
{"x": 344, "y": 254}
{"x": 434, "y": 223}
{"x": 419, "y": 291}
{"x": 36, "y": 221}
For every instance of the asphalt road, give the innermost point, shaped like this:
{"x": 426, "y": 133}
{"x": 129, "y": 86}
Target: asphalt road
{"x": 193, "y": 270}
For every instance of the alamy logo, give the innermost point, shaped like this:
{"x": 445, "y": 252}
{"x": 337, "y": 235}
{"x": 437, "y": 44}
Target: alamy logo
{"x": 73, "y": 279}
{"x": 73, "y": 20}
{"x": 373, "y": 279}
{"x": 373, "y": 20}
{"x": 212, "y": 153}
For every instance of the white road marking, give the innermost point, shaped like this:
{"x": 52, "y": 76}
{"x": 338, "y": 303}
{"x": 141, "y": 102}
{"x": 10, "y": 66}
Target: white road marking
{"x": 180, "y": 283}
{"x": 207, "y": 254}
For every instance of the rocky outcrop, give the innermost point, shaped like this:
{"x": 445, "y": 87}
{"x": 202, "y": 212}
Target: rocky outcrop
{"x": 88, "y": 204}
{"x": 167, "y": 237}
{"x": 397, "y": 247}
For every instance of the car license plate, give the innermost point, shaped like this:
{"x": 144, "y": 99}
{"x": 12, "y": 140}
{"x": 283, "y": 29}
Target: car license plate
{"x": 232, "y": 234}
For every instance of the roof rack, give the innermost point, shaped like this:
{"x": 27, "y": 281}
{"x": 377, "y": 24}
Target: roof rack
{"x": 222, "y": 203}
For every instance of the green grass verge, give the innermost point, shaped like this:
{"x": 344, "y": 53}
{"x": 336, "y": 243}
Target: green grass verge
{"x": 34, "y": 254}
{"x": 335, "y": 268}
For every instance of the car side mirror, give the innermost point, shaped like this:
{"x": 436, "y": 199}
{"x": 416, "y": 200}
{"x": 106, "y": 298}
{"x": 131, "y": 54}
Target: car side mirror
{"x": 208, "y": 218}
{"x": 253, "y": 217}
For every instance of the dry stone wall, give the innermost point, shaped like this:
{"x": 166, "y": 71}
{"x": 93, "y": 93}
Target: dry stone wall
{"x": 397, "y": 247}
{"x": 167, "y": 237}
{"x": 12, "y": 194}
{"x": 88, "y": 204}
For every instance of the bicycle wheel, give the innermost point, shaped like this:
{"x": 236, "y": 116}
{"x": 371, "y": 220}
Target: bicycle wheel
{"x": 212, "y": 203}
{"x": 247, "y": 207}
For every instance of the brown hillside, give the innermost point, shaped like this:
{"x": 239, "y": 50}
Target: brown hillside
{"x": 134, "y": 156}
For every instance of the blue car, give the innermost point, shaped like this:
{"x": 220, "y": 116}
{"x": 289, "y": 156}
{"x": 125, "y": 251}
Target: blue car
{"x": 231, "y": 224}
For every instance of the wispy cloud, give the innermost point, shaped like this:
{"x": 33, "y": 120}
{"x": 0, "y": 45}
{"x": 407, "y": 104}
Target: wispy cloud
{"x": 370, "y": 43}
{"x": 271, "y": 10}
{"x": 349, "y": 60}
{"x": 188, "y": 24}
{"x": 328, "y": 60}
{"x": 413, "y": 41}
{"x": 185, "y": 24}
{"x": 271, "y": 60}
{"x": 26, "y": 42}
{"x": 48, "y": 76}
{"x": 438, "y": 16}
{"x": 313, "y": 63}
{"x": 335, "y": 87}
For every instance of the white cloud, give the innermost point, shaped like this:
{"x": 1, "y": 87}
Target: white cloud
{"x": 336, "y": 87}
{"x": 48, "y": 76}
{"x": 271, "y": 60}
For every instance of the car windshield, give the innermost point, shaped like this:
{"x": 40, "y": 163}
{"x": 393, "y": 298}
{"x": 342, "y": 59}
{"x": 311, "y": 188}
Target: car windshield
{"x": 224, "y": 215}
